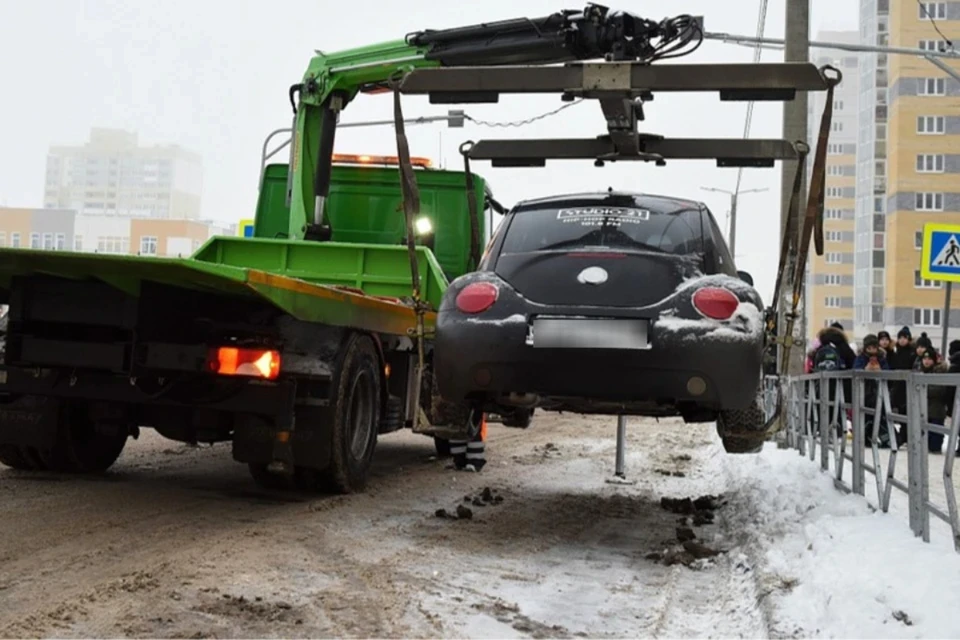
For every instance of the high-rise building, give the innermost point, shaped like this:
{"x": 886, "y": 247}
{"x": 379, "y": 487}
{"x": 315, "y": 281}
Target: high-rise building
{"x": 908, "y": 164}
{"x": 111, "y": 174}
{"x": 830, "y": 276}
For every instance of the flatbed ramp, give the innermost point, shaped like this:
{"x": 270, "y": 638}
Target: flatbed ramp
{"x": 335, "y": 284}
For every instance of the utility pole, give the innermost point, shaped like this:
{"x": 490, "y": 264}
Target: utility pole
{"x": 734, "y": 196}
{"x": 796, "y": 49}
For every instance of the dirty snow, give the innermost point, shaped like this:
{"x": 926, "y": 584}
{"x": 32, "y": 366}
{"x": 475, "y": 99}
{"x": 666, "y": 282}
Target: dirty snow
{"x": 177, "y": 542}
{"x": 745, "y": 324}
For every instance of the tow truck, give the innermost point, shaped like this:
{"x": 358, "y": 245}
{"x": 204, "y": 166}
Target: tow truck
{"x": 303, "y": 344}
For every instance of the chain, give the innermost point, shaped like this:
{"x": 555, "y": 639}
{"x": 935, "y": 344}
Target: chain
{"x": 520, "y": 123}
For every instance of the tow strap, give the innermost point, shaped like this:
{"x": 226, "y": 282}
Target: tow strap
{"x": 411, "y": 207}
{"x": 790, "y": 245}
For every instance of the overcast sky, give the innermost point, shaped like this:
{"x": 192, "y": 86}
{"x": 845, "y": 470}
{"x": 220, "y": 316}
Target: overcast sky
{"x": 213, "y": 76}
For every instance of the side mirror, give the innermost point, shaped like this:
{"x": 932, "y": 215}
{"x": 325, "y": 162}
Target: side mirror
{"x": 746, "y": 277}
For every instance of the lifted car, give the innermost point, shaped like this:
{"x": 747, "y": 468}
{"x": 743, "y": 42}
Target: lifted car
{"x": 605, "y": 303}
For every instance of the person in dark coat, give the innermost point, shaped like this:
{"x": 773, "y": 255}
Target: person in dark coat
{"x": 922, "y": 345}
{"x": 901, "y": 358}
{"x": 873, "y": 358}
{"x": 950, "y": 392}
{"x": 834, "y": 354}
{"x": 885, "y": 342}
{"x": 937, "y": 398}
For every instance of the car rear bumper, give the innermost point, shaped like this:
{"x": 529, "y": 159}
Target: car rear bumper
{"x": 682, "y": 364}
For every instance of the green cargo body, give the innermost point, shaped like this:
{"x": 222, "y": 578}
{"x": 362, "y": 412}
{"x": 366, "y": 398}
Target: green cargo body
{"x": 304, "y": 279}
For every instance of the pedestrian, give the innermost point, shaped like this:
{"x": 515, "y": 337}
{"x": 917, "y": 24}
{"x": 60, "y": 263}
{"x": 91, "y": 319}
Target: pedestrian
{"x": 901, "y": 358}
{"x": 872, "y": 358}
{"x": 471, "y": 455}
{"x": 885, "y": 343}
{"x": 937, "y": 398}
{"x": 922, "y": 345}
{"x": 951, "y": 391}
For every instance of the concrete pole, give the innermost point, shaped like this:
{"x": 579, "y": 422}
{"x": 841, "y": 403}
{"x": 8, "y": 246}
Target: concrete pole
{"x": 796, "y": 49}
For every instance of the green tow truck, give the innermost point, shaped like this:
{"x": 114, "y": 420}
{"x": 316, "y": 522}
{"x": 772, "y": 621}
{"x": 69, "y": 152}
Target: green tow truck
{"x": 304, "y": 343}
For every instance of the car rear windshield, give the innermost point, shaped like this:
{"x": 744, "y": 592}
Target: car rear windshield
{"x": 675, "y": 231}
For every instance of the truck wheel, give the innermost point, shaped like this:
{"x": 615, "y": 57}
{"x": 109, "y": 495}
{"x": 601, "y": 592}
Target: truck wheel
{"x": 518, "y": 418}
{"x": 356, "y": 422}
{"x": 749, "y": 419}
{"x": 17, "y": 458}
{"x": 82, "y": 445}
{"x": 734, "y": 444}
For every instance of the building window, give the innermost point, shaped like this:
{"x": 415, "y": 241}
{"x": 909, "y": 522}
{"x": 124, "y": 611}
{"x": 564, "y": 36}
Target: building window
{"x": 835, "y": 149}
{"x": 48, "y": 241}
{"x": 932, "y": 86}
{"x": 931, "y": 125}
{"x": 78, "y": 243}
{"x": 922, "y": 283}
{"x": 930, "y": 163}
{"x": 834, "y": 192}
{"x": 927, "y": 317}
{"x": 832, "y": 279}
{"x": 833, "y": 258}
{"x": 113, "y": 244}
{"x": 34, "y": 240}
{"x": 835, "y": 170}
{"x": 15, "y": 240}
{"x": 832, "y": 302}
{"x": 932, "y": 45}
{"x": 918, "y": 240}
{"x": 836, "y": 126}
{"x": 932, "y": 11}
{"x": 834, "y": 236}
{"x": 148, "y": 245}
{"x": 833, "y": 214}
{"x": 838, "y": 105}
{"x": 61, "y": 242}
{"x": 929, "y": 202}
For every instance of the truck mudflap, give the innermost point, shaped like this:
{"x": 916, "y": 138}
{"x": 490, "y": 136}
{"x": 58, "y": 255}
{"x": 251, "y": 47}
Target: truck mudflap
{"x": 29, "y": 421}
{"x": 306, "y": 301}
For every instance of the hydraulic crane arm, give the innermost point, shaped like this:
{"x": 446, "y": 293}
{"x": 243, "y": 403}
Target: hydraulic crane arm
{"x": 333, "y": 80}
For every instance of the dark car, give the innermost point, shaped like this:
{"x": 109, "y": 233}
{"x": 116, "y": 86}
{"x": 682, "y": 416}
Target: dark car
{"x": 605, "y": 303}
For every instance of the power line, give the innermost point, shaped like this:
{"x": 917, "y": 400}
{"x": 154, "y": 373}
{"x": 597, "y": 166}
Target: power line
{"x": 761, "y": 26}
{"x": 520, "y": 123}
{"x": 923, "y": 7}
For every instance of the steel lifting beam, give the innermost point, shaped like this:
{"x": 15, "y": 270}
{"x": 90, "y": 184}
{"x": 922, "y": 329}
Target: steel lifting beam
{"x": 772, "y": 81}
{"x": 733, "y": 152}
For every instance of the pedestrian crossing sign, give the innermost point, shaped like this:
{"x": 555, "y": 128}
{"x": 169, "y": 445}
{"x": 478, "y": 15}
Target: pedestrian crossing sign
{"x": 941, "y": 252}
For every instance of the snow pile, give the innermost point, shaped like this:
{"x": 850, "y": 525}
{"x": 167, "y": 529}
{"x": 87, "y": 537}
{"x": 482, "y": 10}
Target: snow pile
{"x": 826, "y": 565}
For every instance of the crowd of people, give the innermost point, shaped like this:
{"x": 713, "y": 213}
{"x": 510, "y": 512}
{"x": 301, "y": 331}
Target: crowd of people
{"x": 832, "y": 351}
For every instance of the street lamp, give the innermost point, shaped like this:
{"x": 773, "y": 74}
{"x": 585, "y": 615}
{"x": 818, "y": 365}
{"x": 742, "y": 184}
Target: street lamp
{"x": 732, "y": 239}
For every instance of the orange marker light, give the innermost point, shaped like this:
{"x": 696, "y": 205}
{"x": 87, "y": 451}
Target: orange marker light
{"x": 347, "y": 158}
{"x": 255, "y": 363}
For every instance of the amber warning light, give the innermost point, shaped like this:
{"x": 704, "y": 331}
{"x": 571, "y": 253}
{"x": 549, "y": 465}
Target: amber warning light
{"x": 345, "y": 158}
{"x": 254, "y": 363}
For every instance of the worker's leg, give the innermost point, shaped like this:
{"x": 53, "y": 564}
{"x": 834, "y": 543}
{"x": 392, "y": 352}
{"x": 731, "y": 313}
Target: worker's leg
{"x": 458, "y": 449}
{"x": 476, "y": 452}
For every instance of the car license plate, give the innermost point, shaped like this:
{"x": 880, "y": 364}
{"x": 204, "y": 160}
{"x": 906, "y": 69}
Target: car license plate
{"x": 588, "y": 333}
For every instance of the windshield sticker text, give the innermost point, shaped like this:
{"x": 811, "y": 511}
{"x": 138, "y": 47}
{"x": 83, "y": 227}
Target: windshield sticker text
{"x": 603, "y": 216}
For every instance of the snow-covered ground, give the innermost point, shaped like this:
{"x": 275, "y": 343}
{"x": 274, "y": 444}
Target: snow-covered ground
{"x": 176, "y": 542}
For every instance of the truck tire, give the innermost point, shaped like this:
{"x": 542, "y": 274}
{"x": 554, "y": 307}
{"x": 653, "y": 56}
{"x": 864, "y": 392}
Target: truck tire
{"x": 356, "y": 415}
{"x": 518, "y": 418}
{"x": 82, "y": 447}
{"x": 19, "y": 458}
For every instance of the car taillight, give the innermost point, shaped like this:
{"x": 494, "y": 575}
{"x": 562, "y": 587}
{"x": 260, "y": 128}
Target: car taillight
{"x": 477, "y": 297}
{"x": 715, "y": 303}
{"x": 255, "y": 363}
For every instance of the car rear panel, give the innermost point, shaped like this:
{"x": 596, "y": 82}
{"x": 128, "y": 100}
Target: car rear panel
{"x": 594, "y": 278}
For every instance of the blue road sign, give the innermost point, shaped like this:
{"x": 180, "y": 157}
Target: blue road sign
{"x": 941, "y": 252}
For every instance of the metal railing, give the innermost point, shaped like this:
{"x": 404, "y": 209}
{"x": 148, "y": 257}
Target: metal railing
{"x": 817, "y": 407}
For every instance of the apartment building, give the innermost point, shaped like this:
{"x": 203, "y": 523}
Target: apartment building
{"x": 830, "y": 276}
{"x": 65, "y": 230}
{"x": 112, "y": 174}
{"x": 908, "y": 163}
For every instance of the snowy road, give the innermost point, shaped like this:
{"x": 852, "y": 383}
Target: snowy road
{"x": 177, "y": 542}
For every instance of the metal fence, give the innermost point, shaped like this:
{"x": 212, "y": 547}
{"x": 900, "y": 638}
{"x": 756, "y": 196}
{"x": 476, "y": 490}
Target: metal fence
{"x": 862, "y": 398}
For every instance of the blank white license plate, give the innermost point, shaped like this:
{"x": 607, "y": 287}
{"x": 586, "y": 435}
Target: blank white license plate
{"x": 588, "y": 333}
